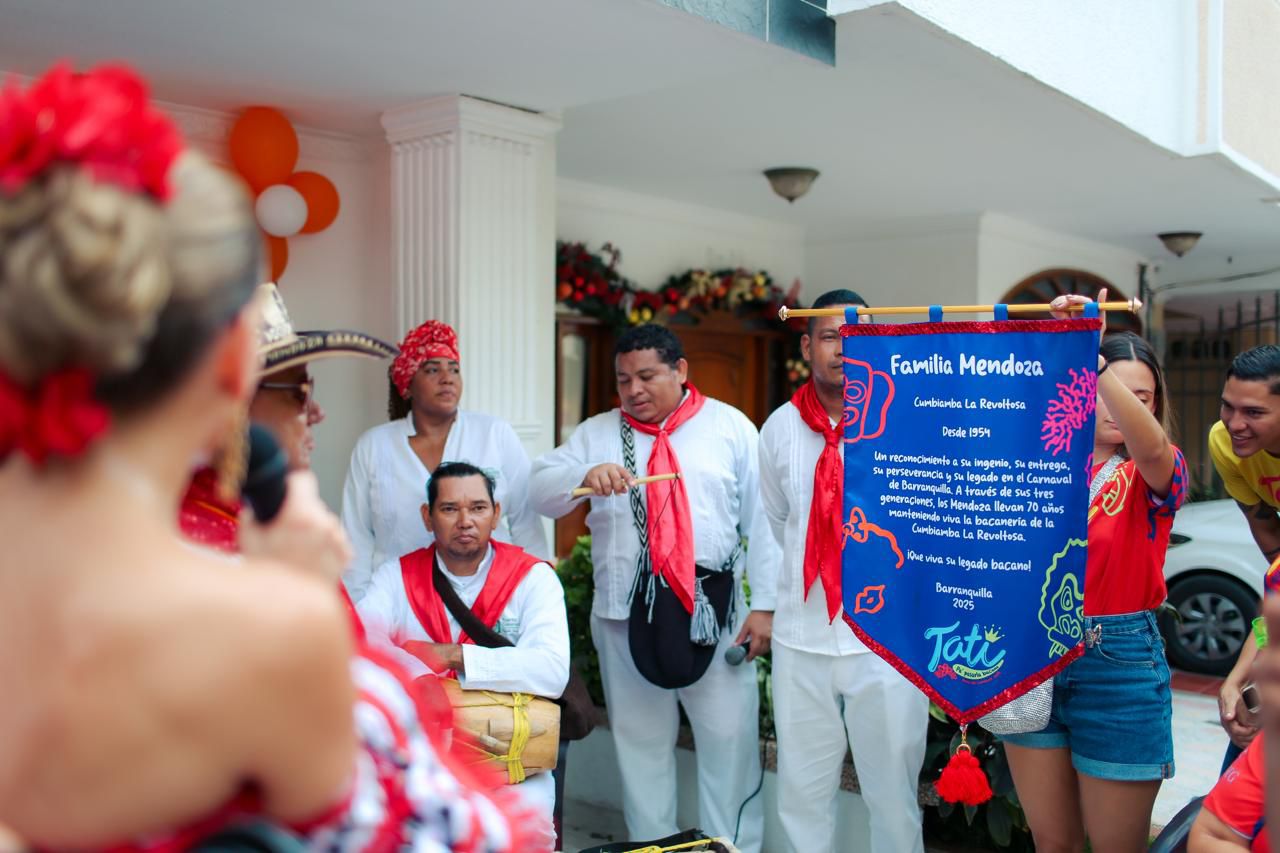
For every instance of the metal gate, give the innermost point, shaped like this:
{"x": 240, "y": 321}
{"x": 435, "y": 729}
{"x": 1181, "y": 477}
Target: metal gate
{"x": 1195, "y": 364}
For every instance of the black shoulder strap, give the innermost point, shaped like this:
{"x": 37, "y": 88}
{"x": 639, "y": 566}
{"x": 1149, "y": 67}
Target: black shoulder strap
{"x": 481, "y": 634}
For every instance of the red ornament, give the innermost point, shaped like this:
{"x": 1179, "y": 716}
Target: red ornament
{"x": 101, "y": 120}
{"x": 962, "y": 780}
{"x": 58, "y": 417}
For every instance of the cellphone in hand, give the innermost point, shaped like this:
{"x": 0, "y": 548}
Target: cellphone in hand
{"x": 1251, "y": 698}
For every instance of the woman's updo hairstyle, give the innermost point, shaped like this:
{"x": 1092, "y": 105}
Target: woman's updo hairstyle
{"x": 98, "y": 272}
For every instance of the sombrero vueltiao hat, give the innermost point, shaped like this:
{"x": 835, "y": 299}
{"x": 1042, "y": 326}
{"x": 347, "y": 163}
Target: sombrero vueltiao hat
{"x": 282, "y": 347}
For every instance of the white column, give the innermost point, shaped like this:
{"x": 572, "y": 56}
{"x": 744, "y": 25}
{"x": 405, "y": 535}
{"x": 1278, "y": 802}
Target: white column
{"x": 473, "y": 244}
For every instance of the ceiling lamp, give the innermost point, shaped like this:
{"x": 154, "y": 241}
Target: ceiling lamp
{"x": 791, "y": 182}
{"x": 1180, "y": 242}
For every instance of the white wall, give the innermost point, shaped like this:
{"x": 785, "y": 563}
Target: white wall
{"x": 1135, "y": 61}
{"x": 961, "y": 259}
{"x": 1010, "y": 250}
{"x": 336, "y": 279}
{"x": 659, "y": 237}
{"x": 917, "y": 262}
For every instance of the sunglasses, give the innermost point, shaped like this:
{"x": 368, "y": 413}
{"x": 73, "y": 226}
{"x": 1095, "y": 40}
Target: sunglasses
{"x": 302, "y": 391}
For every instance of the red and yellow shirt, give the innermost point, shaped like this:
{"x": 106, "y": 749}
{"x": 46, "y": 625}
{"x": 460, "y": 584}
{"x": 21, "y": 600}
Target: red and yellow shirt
{"x": 1128, "y": 535}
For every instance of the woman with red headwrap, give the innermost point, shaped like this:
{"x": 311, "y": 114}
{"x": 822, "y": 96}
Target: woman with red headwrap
{"x": 392, "y": 463}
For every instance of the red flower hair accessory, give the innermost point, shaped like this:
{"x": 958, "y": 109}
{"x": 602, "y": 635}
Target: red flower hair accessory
{"x": 58, "y": 417}
{"x": 101, "y": 120}
{"x": 432, "y": 339}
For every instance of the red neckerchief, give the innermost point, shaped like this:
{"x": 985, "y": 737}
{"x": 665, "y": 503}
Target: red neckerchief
{"x": 667, "y": 501}
{"x": 510, "y": 566}
{"x": 822, "y": 540}
{"x": 207, "y": 519}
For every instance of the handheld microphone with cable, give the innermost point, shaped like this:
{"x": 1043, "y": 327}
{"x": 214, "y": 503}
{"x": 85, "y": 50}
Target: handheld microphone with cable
{"x": 264, "y": 483}
{"x": 735, "y": 655}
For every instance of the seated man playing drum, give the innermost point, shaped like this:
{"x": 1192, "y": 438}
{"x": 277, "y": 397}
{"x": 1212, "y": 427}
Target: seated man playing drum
{"x": 411, "y": 605}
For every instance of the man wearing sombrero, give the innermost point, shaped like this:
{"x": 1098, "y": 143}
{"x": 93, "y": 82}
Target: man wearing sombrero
{"x": 285, "y": 404}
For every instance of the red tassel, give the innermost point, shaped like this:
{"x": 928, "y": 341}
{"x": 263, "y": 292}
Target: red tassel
{"x": 962, "y": 780}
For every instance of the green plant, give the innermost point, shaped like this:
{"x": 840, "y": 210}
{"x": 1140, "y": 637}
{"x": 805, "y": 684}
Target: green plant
{"x": 998, "y": 823}
{"x": 579, "y": 590}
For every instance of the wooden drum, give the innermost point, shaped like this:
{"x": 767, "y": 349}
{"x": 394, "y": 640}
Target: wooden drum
{"x": 494, "y": 722}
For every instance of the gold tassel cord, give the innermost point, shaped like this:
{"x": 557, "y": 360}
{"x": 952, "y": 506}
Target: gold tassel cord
{"x": 785, "y": 313}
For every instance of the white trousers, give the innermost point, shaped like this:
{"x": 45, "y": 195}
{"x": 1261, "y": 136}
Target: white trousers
{"x": 537, "y": 793}
{"x": 820, "y": 704}
{"x": 722, "y": 708}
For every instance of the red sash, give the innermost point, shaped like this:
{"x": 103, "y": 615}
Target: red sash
{"x": 822, "y": 540}
{"x": 667, "y": 502}
{"x": 510, "y": 565}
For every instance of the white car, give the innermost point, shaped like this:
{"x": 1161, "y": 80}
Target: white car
{"x": 1214, "y": 571}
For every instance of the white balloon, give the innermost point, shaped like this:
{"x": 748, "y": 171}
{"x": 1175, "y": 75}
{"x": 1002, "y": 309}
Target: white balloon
{"x": 281, "y": 210}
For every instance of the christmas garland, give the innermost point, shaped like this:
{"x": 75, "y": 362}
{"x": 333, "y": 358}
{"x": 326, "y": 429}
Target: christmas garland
{"x": 591, "y": 284}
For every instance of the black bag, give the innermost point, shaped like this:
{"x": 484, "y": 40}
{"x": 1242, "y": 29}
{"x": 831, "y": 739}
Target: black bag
{"x": 659, "y": 627}
{"x": 577, "y": 710}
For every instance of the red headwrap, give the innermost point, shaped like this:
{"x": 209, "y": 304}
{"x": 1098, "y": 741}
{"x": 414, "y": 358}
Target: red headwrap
{"x": 432, "y": 339}
{"x": 103, "y": 123}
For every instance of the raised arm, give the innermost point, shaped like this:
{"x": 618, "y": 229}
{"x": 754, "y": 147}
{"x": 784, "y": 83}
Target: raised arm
{"x": 1144, "y": 437}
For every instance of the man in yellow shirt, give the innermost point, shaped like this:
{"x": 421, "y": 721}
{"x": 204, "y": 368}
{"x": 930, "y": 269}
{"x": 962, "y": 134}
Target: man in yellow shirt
{"x": 1245, "y": 446}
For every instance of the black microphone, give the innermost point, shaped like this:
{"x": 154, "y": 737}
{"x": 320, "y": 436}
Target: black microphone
{"x": 264, "y": 483}
{"x": 735, "y": 655}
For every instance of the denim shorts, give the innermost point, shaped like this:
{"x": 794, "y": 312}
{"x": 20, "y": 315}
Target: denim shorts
{"x": 1112, "y": 706}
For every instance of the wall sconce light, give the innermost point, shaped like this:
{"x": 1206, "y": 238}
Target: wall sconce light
{"x": 1180, "y": 242}
{"x": 791, "y": 182}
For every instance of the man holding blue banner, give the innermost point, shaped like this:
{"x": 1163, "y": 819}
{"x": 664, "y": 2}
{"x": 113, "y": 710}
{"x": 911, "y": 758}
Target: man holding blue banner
{"x": 828, "y": 691}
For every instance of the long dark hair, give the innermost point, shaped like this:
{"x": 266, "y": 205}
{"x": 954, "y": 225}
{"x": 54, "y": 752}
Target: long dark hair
{"x": 1126, "y": 346}
{"x": 397, "y": 407}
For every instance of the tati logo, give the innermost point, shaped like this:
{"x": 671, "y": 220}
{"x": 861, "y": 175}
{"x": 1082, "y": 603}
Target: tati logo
{"x": 967, "y": 656}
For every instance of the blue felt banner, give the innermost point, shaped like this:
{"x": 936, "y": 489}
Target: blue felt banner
{"x": 967, "y": 451}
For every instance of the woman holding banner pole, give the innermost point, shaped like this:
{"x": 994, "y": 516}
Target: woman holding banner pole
{"x": 1094, "y": 771}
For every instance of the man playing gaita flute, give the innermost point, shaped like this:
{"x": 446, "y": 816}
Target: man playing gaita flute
{"x": 667, "y": 584}
{"x": 510, "y": 591}
{"x": 828, "y": 689}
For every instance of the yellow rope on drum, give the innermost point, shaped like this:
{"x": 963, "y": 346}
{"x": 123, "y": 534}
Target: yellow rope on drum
{"x": 520, "y": 729}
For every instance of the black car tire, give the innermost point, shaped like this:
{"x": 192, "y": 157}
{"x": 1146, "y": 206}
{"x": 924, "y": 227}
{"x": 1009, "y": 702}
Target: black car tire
{"x": 1217, "y": 615}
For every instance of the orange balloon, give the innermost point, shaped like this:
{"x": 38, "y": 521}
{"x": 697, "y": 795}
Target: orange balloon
{"x": 278, "y": 251}
{"x": 321, "y": 197}
{"x": 264, "y": 147}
